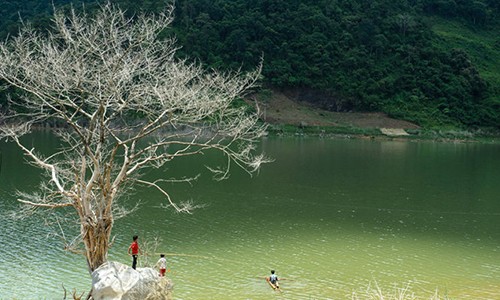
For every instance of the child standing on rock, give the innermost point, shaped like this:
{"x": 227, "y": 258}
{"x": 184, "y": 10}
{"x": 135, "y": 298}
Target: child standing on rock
{"x": 162, "y": 263}
{"x": 134, "y": 251}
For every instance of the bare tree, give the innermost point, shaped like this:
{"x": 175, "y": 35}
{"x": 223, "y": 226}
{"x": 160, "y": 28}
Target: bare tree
{"x": 123, "y": 102}
{"x": 405, "y": 22}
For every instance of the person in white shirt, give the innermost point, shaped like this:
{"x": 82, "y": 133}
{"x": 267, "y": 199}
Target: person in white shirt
{"x": 162, "y": 263}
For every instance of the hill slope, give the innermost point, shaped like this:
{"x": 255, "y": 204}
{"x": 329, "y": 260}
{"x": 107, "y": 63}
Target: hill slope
{"x": 434, "y": 63}
{"x": 481, "y": 44}
{"x": 279, "y": 109}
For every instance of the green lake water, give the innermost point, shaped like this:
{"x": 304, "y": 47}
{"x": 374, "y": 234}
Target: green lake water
{"x": 332, "y": 216}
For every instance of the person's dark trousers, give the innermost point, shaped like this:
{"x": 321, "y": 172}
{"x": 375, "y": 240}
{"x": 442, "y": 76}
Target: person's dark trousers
{"x": 134, "y": 261}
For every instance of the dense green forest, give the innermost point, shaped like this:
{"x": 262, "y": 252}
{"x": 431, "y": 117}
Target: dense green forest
{"x": 433, "y": 62}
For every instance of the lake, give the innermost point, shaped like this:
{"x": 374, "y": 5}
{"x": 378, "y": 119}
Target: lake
{"x": 332, "y": 216}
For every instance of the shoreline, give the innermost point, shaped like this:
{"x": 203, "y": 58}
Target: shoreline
{"x": 372, "y": 133}
{"x": 287, "y": 116}
{"x": 440, "y": 135}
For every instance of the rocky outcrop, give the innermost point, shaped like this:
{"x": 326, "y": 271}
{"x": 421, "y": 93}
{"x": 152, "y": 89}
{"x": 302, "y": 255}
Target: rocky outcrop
{"x": 394, "y": 131}
{"x": 116, "y": 281}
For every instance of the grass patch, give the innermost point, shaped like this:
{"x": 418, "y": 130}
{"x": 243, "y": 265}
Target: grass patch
{"x": 481, "y": 44}
{"x": 322, "y": 130}
{"x": 375, "y": 292}
{"x": 446, "y": 135}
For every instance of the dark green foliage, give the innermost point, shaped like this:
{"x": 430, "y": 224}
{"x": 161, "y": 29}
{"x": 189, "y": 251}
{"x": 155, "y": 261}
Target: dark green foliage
{"x": 476, "y": 12}
{"x": 374, "y": 55}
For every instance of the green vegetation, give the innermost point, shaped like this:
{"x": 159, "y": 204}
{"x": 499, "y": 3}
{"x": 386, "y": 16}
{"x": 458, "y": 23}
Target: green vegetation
{"x": 482, "y": 46}
{"x": 435, "y": 63}
{"x": 343, "y": 131}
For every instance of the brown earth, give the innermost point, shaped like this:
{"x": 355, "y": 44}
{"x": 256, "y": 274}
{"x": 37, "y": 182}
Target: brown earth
{"x": 277, "y": 108}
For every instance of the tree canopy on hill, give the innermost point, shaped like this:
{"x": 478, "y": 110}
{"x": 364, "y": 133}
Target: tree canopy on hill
{"x": 365, "y": 55}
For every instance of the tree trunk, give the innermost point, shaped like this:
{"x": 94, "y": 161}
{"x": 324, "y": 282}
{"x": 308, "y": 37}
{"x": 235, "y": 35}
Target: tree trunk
{"x": 96, "y": 236}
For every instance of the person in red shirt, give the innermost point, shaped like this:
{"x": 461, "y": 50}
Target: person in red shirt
{"x": 134, "y": 250}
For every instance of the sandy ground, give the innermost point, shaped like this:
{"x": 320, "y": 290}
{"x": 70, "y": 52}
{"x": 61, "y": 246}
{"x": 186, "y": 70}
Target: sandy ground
{"x": 279, "y": 109}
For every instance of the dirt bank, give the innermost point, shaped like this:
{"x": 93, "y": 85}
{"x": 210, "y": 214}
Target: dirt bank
{"x": 277, "y": 108}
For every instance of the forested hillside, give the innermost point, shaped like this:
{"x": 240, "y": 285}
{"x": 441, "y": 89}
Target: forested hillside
{"x": 409, "y": 59}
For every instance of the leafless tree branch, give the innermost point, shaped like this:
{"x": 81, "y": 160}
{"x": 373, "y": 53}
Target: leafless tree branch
{"x": 124, "y": 103}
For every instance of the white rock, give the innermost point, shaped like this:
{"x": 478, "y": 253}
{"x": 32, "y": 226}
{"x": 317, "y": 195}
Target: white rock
{"x": 116, "y": 281}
